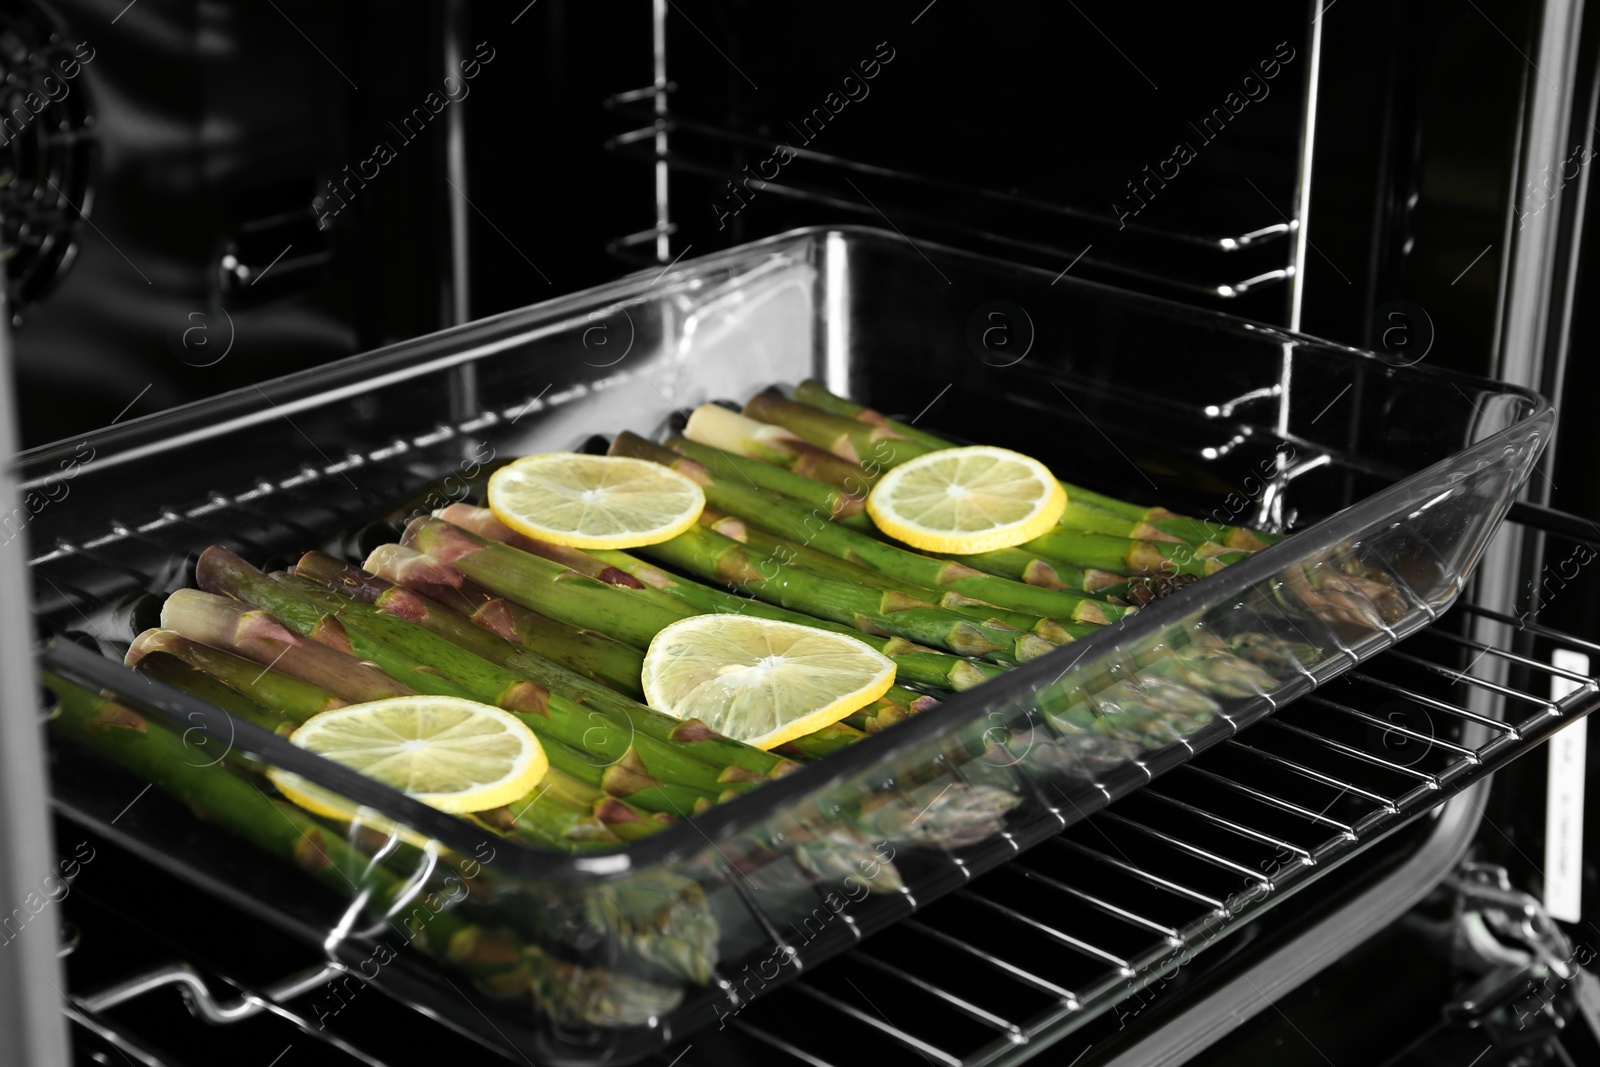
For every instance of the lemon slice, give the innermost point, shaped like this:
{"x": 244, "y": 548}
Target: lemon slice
{"x": 967, "y": 500}
{"x": 761, "y": 681}
{"x": 582, "y": 501}
{"x": 457, "y": 755}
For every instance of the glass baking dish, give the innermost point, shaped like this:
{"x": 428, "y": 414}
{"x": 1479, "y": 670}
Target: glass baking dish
{"x": 1391, "y": 478}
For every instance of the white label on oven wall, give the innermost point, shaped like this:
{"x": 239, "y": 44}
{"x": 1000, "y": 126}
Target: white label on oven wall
{"x": 1563, "y": 803}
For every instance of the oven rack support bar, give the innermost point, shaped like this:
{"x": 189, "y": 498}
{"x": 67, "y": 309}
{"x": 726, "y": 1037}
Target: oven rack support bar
{"x": 197, "y": 994}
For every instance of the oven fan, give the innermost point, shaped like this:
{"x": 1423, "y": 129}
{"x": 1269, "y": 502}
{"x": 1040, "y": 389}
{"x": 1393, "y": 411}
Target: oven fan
{"x": 44, "y": 154}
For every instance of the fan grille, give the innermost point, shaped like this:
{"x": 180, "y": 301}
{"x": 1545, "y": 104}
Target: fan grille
{"x": 44, "y": 151}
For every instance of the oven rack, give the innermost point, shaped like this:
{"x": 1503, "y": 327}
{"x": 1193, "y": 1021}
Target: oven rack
{"x": 1088, "y": 922}
{"x": 1217, "y": 268}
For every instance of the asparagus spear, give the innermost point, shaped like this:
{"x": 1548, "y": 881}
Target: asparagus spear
{"x": 290, "y": 697}
{"x": 880, "y": 715}
{"x": 791, "y": 853}
{"x": 603, "y": 729}
{"x": 740, "y": 762}
{"x": 1125, "y": 555}
{"x": 813, "y": 393}
{"x": 222, "y": 572}
{"x": 1014, "y": 563}
{"x": 436, "y": 666}
{"x": 1021, "y": 565}
{"x": 226, "y": 624}
{"x": 823, "y": 742}
{"x": 1193, "y": 531}
{"x": 792, "y": 520}
{"x": 770, "y": 547}
{"x": 714, "y": 426}
{"x": 585, "y": 652}
{"x": 655, "y": 917}
{"x": 627, "y": 821}
{"x": 851, "y": 440}
{"x": 168, "y": 668}
{"x": 529, "y": 579}
{"x": 712, "y": 557}
{"x": 537, "y": 583}
{"x": 571, "y": 994}
{"x": 481, "y": 521}
{"x": 278, "y": 702}
{"x": 841, "y": 506}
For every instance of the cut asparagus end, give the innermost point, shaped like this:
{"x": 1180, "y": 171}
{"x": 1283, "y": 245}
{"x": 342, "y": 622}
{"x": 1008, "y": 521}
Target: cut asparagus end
{"x": 716, "y": 427}
{"x": 410, "y": 568}
{"x": 154, "y": 639}
{"x": 340, "y": 576}
{"x": 222, "y": 623}
{"x": 287, "y": 696}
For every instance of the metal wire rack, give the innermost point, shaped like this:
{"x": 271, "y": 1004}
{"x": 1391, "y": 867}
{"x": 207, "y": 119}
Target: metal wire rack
{"x": 1086, "y": 924}
{"x": 1218, "y": 267}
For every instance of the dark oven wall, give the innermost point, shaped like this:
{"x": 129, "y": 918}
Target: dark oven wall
{"x": 171, "y": 223}
{"x": 198, "y": 196}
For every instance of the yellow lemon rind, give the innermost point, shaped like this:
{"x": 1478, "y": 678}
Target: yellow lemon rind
{"x": 320, "y": 801}
{"x": 926, "y": 540}
{"x": 634, "y": 539}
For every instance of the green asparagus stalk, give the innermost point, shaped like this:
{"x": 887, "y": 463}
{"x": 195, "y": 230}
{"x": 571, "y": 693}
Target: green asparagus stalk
{"x": 911, "y": 701}
{"x": 426, "y": 666}
{"x": 1090, "y": 518}
{"x": 540, "y": 819}
{"x": 654, "y": 917}
{"x": 823, "y": 742}
{"x": 1151, "y": 587}
{"x": 880, "y": 715}
{"x": 813, "y": 393}
{"x": 1014, "y": 563}
{"x": 603, "y": 728}
{"x": 278, "y": 702}
{"x": 585, "y": 652}
{"x": 627, "y": 781}
{"x": 841, "y": 506}
{"x": 796, "y": 854}
{"x": 525, "y": 578}
{"x": 226, "y": 624}
{"x": 537, "y": 583}
{"x": 1020, "y": 565}
{"x": 808, "y": 527}
{"x": 443, "y": 669}
{"x": 571, "y": 994}
{"x": 168, "y": 668}
{"x": 712, "y": 557}
{"x": 770, "y": 547}
{"x": 1193, "y": 531}
{"x": 609, "y": 711}
{"x": 714, "y": 426}
{"x": 942, "y": 813}
{"x": 1125, "y": 555}
{"x": 851, "y": 440}
{"x": 285, "y": 694}
{"x": 627, "y": 821}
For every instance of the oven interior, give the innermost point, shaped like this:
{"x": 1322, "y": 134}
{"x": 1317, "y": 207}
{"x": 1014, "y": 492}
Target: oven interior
{"x": 1032, "y": 136}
